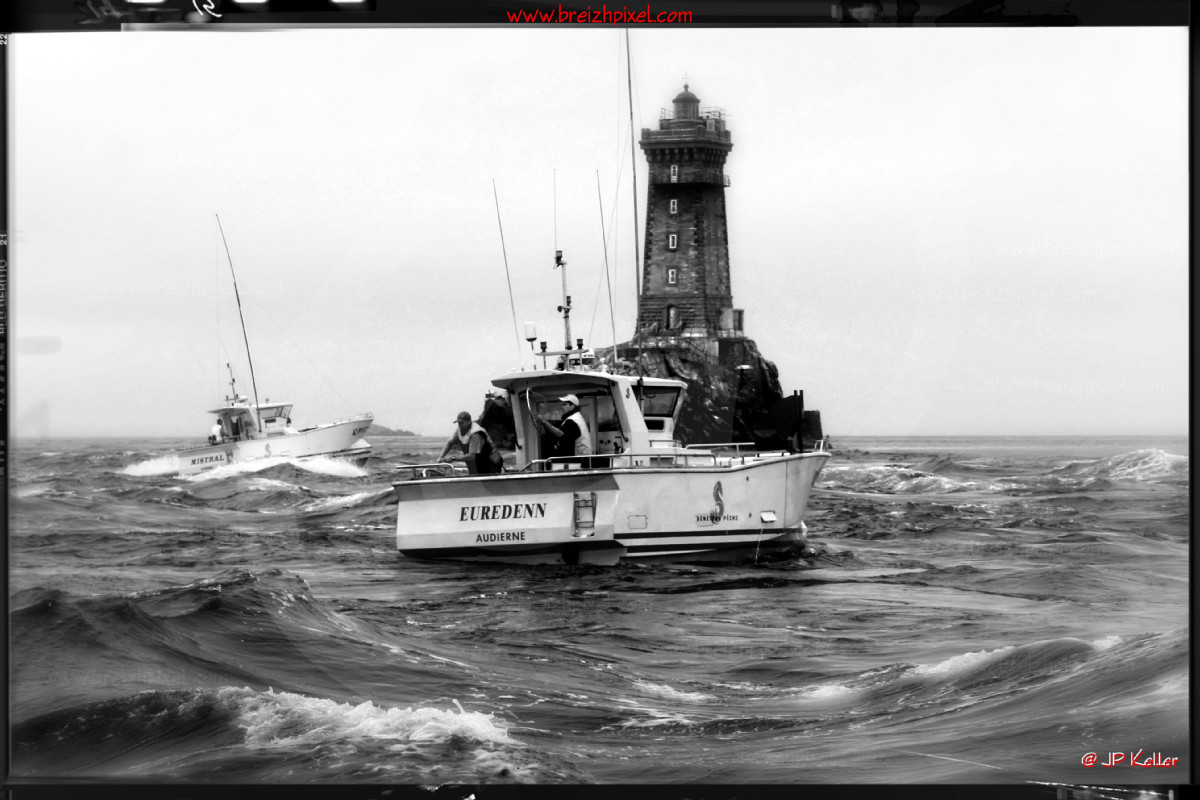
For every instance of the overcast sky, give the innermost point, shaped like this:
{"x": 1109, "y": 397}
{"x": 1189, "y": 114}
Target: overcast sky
{"x": 932, "y": 231}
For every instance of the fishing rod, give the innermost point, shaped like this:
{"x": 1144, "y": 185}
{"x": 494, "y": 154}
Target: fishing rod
{"x": 633, "y": 164}
{"x": 507, "y": 274}
{"x": 245, "y": 338}
{"x": 611, "y": 312}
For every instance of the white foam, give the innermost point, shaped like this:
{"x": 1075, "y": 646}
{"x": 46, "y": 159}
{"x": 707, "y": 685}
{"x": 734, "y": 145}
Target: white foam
{"x": 1107, "y": 643}
{"x": 329, "y": 503}
{"x": 162, "y": 465}
{"x": 671, "y": 693}
{"x": 826, "y": 691}
{"x": 890, "y": 479}
{"x": 283, "y": 718}
{"x": 241, "y": 468}
{"x": 657, "y": 719}
{"x": 1146, "y": 465}
{"x": 31, "y": 491}
{"x": 962, "y": 663}
{"x": 1138, "y": 465}
{"x": 337, "y": 467}
{"x": 321, "y": 464}
{"x": 269, "y": 485}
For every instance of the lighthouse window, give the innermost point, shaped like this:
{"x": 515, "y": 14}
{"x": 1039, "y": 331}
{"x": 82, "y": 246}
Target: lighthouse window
{"x": 674, "y": 173}
{"x": 671, "y": 275}
{"x": 674, "y": 206}
{"x": 672, "y": 241}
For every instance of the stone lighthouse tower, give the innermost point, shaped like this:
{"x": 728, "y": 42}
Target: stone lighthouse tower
{"x": 687, "y": 326}
{"x": 686, "y": 301}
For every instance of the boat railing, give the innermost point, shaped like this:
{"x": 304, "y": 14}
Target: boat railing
{"x": 416, "y": 472}
{"x": 819, "y": 446}
{"x": 735, "y": 446}
{"x": 625, "y": 461}
{"x": 339, "y": 421}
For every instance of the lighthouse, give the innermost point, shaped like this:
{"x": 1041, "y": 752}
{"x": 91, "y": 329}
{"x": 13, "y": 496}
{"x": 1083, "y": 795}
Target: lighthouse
{"x": 687, "y": 325}
{"x": 686, "y": 302}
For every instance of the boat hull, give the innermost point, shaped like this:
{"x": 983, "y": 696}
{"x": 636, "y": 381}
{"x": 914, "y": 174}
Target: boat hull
{"x": 340, "y": 439}
{"x": 603, "y": 516}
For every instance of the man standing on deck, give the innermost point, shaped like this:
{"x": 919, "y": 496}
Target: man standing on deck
{"x": 571, "y": 434}
{"x": 471, "y": 445}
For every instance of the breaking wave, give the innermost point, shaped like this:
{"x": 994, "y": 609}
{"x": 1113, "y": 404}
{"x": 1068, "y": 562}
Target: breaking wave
{"x": 944, "y": 475}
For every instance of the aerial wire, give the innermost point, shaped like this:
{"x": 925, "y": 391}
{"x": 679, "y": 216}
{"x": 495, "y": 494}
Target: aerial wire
{"x": 508, "y": 276}
{"x": 245, "y": 338}
{"x": 633, "y": 165}
{"x": 611, "y": 313}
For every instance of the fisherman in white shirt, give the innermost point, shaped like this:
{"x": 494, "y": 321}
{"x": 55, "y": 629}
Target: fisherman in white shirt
{"x": 571, "y": 433}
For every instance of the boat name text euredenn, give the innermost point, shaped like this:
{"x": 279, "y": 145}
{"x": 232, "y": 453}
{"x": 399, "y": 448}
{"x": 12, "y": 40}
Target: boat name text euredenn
{"x": 503, "y": 511}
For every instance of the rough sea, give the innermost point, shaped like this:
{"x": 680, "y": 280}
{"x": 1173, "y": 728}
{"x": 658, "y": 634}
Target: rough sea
{"x": 984, "y": 611}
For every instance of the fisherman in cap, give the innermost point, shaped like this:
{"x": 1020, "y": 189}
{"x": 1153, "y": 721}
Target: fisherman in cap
{"x": 571, "y": 434}
{"x": 471, "y": 445}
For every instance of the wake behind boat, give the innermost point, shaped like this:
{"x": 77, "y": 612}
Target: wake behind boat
{"x": 636, "y": 493}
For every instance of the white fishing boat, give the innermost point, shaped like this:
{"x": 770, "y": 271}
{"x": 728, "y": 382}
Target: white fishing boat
{"x": 256, "y": 431}
{"x": 639, "y": 494}
{"x": 253, "y": 431}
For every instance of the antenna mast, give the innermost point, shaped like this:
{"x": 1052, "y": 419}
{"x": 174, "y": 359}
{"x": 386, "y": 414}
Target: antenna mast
{"x": 565, "y": 308}
{"x": 245, "y": 338}
{"x": 633, "y": 165}
{"x": 507, "y": 274}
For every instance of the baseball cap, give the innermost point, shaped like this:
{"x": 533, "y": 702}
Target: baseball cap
{"x": 569, "y": 398}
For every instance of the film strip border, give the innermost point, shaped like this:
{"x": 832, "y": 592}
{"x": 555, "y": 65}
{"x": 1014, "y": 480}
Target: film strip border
{"x": 74, "y": 15}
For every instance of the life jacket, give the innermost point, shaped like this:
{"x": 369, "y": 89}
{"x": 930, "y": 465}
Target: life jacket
{"x": 465, "y": 439}
{"x": 583, "y": 445}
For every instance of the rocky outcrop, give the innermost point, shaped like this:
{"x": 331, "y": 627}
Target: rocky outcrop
{"x": 736, "y": 399}
{"x": 378, "y": 430}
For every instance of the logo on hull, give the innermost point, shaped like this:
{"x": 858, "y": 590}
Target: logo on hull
{"x": 718, "y": 512}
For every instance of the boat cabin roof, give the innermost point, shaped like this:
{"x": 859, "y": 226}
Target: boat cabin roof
{"x": 583, "y": 382}
{"x": 265, "y": 410}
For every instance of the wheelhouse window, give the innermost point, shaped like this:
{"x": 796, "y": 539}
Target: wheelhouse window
{"x": 674, "y": 173}
{"x": 659, "y": 402}
{"x": 672, "y": 241}
{"x": 674, "y": 206}
{"x": 672, "y": 274}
